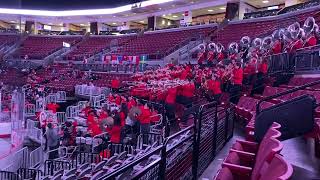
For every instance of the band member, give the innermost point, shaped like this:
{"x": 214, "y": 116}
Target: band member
{"x": 236, "y": 81}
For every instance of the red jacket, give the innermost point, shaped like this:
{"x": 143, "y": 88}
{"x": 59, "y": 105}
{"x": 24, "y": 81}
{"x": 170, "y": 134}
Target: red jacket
{"x": 131, "y": 103}
{"x": 171, "y": 96}
{"x": 237, "y": 76}
{"x": 214, "y": 86}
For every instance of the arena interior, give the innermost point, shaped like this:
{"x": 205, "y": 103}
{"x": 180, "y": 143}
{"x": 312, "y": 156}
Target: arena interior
{"x": 159, "y": 89}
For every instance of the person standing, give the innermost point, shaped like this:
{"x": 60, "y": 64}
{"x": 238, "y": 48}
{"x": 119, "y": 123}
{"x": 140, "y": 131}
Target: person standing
{"x": 52, "y": 141}
{"x": 236, "y": 80}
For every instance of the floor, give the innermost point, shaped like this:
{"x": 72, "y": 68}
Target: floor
{"x": 298, "y": 151}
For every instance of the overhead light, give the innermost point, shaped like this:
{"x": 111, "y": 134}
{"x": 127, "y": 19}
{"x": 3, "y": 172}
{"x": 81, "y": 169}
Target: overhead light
{"x": 273, "y": 7}
{"x": 163, "y": 22}
{"x": 164, "y": 15}
{"x": 182, "y": 14}
{"x": 265, "y": 2}
{"x": 114, "y": 23}
{"x": 169, "y": 23}
{"x": 114, "y": 16}
{"x": 141, "y": 21}
{"x": 81, "y": 24}
{"x": 159, "y": 8}
{"x": 61, "y": 24}
{"x": 174, "y": 16}
{"x": 50, "y": 23}
{"x": 210, "y": 10}
{"x": 222, "y": 8}
{"x": 12, "y": 21}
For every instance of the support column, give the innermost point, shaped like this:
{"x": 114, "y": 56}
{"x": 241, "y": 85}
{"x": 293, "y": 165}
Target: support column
{"x": 28, "y": 26}
{"x": 151, "y": 23}
{"x": 94, "y": 28}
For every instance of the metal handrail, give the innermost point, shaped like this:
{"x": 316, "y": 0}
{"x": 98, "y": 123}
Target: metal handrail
{"x": 284, "y": 93}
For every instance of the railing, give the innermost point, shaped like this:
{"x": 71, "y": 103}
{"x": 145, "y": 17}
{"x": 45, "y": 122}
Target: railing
{"x": 119, "y": 68}
{"x": 19, "y": 159}
{"x": 258, "y": 109}
{"x": 187, "y": 153}
{"x": 32, "y": 174}
{"x": 36, "y": 157}
{"x": 6, "y": 175}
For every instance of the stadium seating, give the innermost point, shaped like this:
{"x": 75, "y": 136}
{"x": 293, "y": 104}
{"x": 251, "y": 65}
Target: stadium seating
{"x": 249, "y": 160}
{"x": 8, "y": 39}
{"x": 159, "y": 42}
{"x": 38, "y": 47}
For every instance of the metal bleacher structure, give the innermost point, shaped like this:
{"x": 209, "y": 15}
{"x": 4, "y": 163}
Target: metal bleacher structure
{"x": 182, "y": 155}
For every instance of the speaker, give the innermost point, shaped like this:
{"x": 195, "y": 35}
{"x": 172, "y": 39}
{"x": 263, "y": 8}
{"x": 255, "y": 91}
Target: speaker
{"x": 232, "y": 10}
{"x": 94, "y": 28}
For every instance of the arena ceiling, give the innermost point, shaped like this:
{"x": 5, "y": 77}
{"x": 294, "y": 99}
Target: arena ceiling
{"x": 170, "y": 9}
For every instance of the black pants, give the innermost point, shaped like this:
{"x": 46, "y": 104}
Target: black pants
{"x": 53, "y": 154}
{"x": 235, "y": 91}
{"x": 170, "y": 111}
{"x": 186, "y": 101}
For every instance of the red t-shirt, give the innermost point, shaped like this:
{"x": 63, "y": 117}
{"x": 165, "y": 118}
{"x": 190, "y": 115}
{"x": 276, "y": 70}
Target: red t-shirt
{"x": 311, "y": 41}
{"x": 263, "y": 68}
{"x": 53, "y": 107}
{"x": 277, "y": 47}
{"x": 188, "y": 90}
{"x": 237, "y": 76}
{"x": 200, "y": 57}
{"x": 298, "y": 44}
{"x": 144, "y": 118}
{"x": 210, "y": 56}
{"x": 115, "y": 84}
{"x": 171, "y": 96}
{"x": 122, "y": 118}
{"x": 131, "y": 103}
{"x": 214, "y": 86}
{"x": 115, "y": 134}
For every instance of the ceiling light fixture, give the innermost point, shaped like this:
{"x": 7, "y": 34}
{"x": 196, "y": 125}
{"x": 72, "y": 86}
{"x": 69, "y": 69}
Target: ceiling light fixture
{"x": 265, "y": 2}
{"x": 174, "y": 16}
{"x": 222, "y": 8}
{"x": 81, "y": 24}
{"x": 141, "y": 21}
{"x": 114, "y": 23}
{"x": 12, "y": 21}
{"x": 210, "y": 10}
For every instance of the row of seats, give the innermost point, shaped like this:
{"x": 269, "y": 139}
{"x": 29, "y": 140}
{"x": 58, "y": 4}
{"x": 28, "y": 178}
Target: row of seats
{"x": 257, "y": 161}
{"x": 258, "y": 29}
{"x": 38, "y": 47}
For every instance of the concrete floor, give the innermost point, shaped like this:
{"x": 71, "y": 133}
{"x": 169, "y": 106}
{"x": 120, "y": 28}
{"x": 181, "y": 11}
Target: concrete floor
{"x": 298, "y": 151}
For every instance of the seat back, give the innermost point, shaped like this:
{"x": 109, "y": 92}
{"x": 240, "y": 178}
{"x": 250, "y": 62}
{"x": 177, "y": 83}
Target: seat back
{"x": 277, "y": 169}
{"x": 224, "y": 174}
{"x": 266, "y": 152}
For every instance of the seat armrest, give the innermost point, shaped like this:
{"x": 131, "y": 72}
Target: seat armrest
{"x": 238, "y": 170}
{"x": 249, "y": 146}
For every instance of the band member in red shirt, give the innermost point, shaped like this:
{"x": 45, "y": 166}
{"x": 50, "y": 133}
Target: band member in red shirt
{"x": 211, "y": 56}
{"x": 53, "y": 107}
{"x": 145, "y": 119}
{"x": 115, "y": 84}
{"x": 188, "y": 93}
{"x": 236, "y": 81}
{"x": 214, "y": 88}
{"x": 170, "y": 102}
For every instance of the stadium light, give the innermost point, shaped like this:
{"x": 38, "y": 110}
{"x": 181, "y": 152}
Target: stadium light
{"x": 79, "y": 12}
